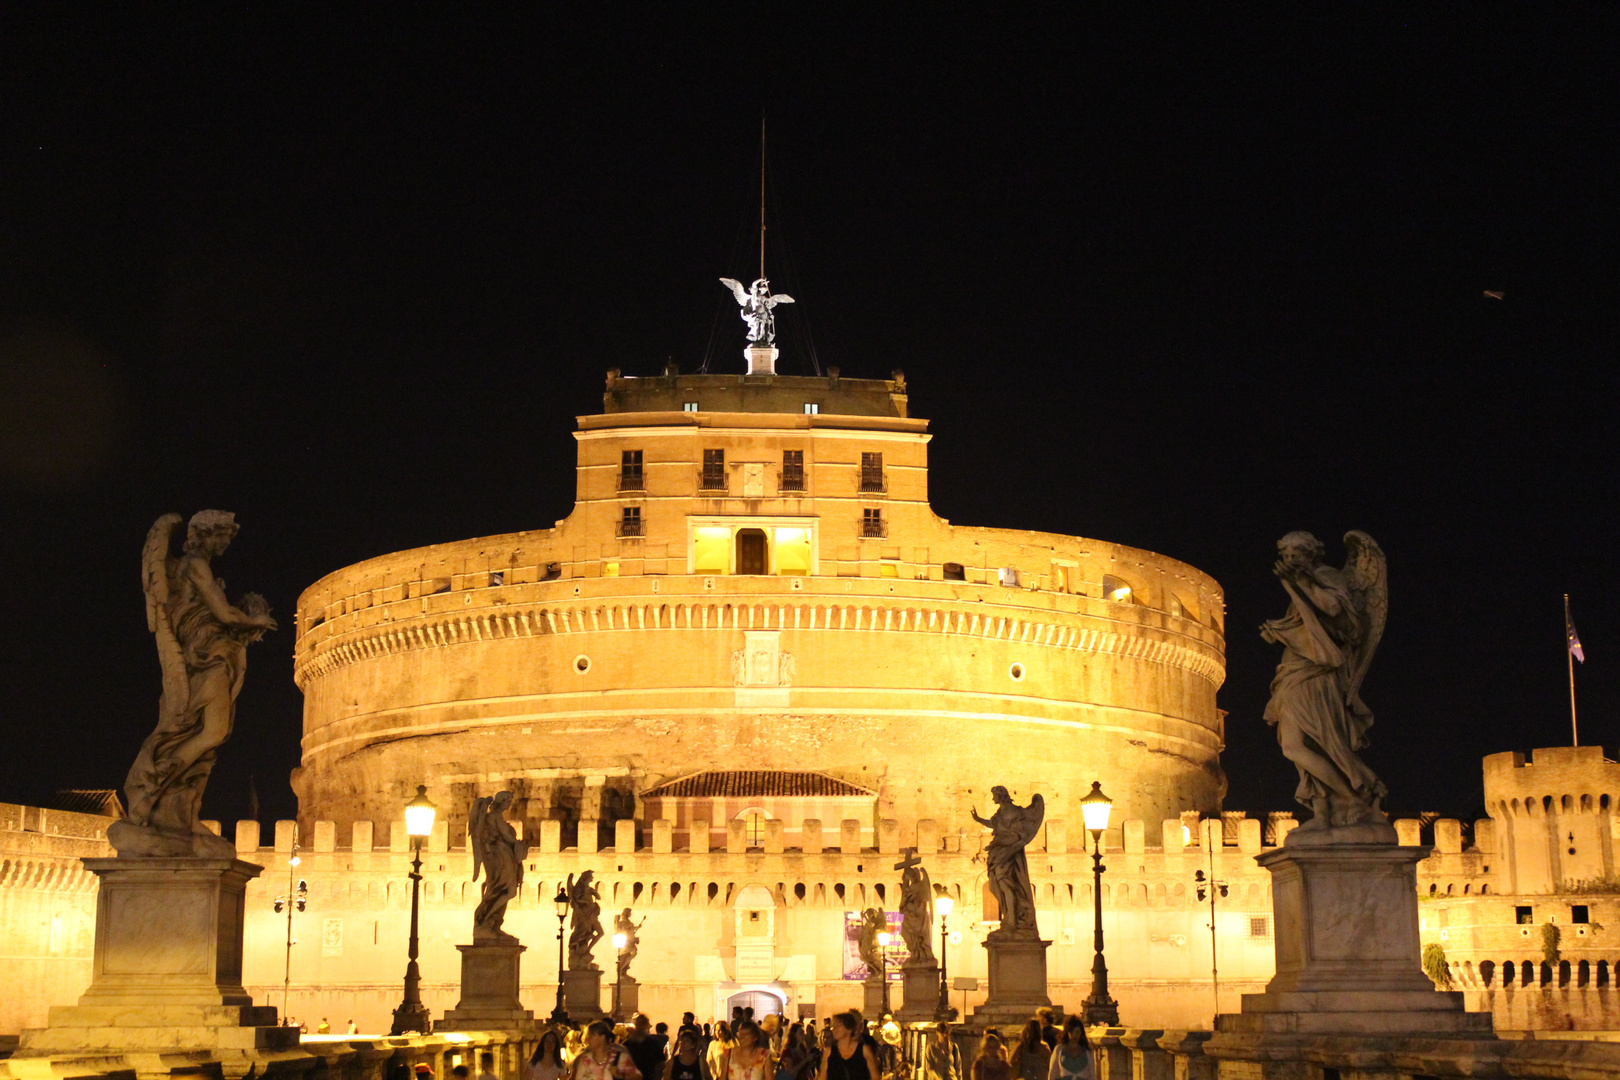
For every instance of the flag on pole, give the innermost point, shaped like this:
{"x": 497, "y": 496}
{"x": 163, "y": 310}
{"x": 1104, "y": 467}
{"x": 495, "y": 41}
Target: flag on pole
{"x": 1569, "y": 632}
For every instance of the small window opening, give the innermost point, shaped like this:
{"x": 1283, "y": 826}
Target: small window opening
{"x": 689, "y": 406}
{"x": 497, "y": 577}
{"x": 553, "y": 572}
{"x": 792, "y": 470}
{"x": 872, "y": 523}
{"x": 1578, "y": 913}
{"x": 1117, "y": 590}
{"x": 1523, "y": 915}
{"x": 1008, "y": 576}
{"x": 714, "y": 470}
{"x": 872, "y": 471}
{"x": 1259, "y": 926}
{"x": 953, "y": 572}
{"x": 811, "y": 408}
{"x": 630, "y": 471}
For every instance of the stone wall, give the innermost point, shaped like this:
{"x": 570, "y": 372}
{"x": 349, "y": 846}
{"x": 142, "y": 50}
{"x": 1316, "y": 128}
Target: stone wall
{"x": 47, "y": 909}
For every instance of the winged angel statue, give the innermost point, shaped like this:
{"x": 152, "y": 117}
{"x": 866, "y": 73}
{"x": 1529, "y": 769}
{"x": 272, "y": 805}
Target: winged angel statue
{"x": 1012, "y": 827}
{"x": 586, "y": 931}
{"x": 500, "y": 854}
{"x": 757, "y": 302}
{"x": 1334, "y": 621}
{"x": 202, "y": 645}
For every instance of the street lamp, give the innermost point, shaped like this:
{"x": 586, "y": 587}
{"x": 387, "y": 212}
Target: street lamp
{"x": 412, "y": 1015}
{"x": 294, "y": 900}
{"x": 883, "y": 940}
{"x": 943, "y": 904}
{"x": 1099, "y": 1007}
{"x": 619, "y": 941}
{"x": 559, "y": 1015}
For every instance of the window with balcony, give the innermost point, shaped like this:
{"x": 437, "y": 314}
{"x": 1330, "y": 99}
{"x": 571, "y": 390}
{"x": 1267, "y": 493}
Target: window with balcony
{"x": 714, "y": 470}
{"x": 872, "y": 523}
{"x": 792, "y": 470}
{"x": 630, "y": 521}
{"x": 872, "y": 471}
{"x": 630, "y": 471}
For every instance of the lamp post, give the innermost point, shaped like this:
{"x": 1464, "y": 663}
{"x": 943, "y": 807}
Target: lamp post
{"x": 293, "y": 901}
{"x": 559, "y": 1015}
{"x": 943, "y": 904}
{"x": 412, "y": 1015}
{"x": 1099, "y": 1007}
{"x": 883, "y": 940}
{"x": 619, "y": 941}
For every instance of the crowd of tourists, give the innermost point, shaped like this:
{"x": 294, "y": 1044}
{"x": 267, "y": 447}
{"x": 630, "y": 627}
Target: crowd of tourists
{"x": 845, "y": 1046}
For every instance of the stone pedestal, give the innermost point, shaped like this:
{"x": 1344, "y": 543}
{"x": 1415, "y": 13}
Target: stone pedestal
{"x": 582, "y": 994}
{"x": 167, "y": 968}
{"x": 1017, "y": 981}
{"x": 489, "y": 991}
{"x": 629, "y": 998}
{"x": 872, "y": 997}
{"x": 1348, "y": 957}
{"x": 921, "y": 993}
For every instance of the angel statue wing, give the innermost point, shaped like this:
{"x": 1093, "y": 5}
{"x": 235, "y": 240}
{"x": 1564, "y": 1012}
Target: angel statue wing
{"x": 780, "y": 298}
{"x": 1367, "y": 575}
{"x": 155, "y": 583}
{"x": 1034, "y": 814}
{"x": 738, "y": 289}
{"x": 478, "y": 834}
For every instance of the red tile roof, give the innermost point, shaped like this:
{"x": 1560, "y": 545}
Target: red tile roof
{"x": 756, "y": 784}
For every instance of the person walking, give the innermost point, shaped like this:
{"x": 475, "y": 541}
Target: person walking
{"x": 750, "y": 1057}
{"x": 941, "y": 1059}
{"x": 547, "y": 1061}
{"x": 646, "y": 1048}
{"x": 797, "y": 1055}
{"x": 688, "y": 1061}
{"x": 602, "y": 1058}
{"x": 850, "y": 1055}
{"x": 991, "y": 1064}
{"x": 1033, "y": 1057}
{"x": 718, "y": 1046}
{"x": 1073, "y": 1059}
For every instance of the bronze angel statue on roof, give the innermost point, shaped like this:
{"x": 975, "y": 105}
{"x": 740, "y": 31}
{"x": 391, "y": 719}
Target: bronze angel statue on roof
{"x": 1335, "y": 618}
{"x": 202, "y": 642}
{"x": 756, "y": 302}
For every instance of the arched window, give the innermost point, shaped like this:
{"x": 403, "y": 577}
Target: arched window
{"x": 1118, "y": 590}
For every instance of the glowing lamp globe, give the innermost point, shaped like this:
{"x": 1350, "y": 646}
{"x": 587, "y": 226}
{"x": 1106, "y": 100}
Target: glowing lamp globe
{"x": 1095, "y": 807}
{"x": 943, "y": 904}
{"x": 884, "y": 938}
{"x": 619, "y": 941}
{"x": 419, "y": 814}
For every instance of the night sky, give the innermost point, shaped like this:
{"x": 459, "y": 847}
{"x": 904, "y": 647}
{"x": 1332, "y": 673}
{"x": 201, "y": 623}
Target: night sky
{"x": 1185, "y": 284}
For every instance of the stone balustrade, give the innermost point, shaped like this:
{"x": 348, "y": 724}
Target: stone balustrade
{"x": 1146, "y": 1054}
{"x": 358, "y": 1057}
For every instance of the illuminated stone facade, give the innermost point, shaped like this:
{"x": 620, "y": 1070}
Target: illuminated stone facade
{"x": 752, "y": 578}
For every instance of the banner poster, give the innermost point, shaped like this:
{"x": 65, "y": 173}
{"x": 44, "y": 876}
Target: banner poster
{"x": 854, "y": 966}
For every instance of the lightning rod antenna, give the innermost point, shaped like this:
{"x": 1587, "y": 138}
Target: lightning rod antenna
{"x": 761, "y": 195}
